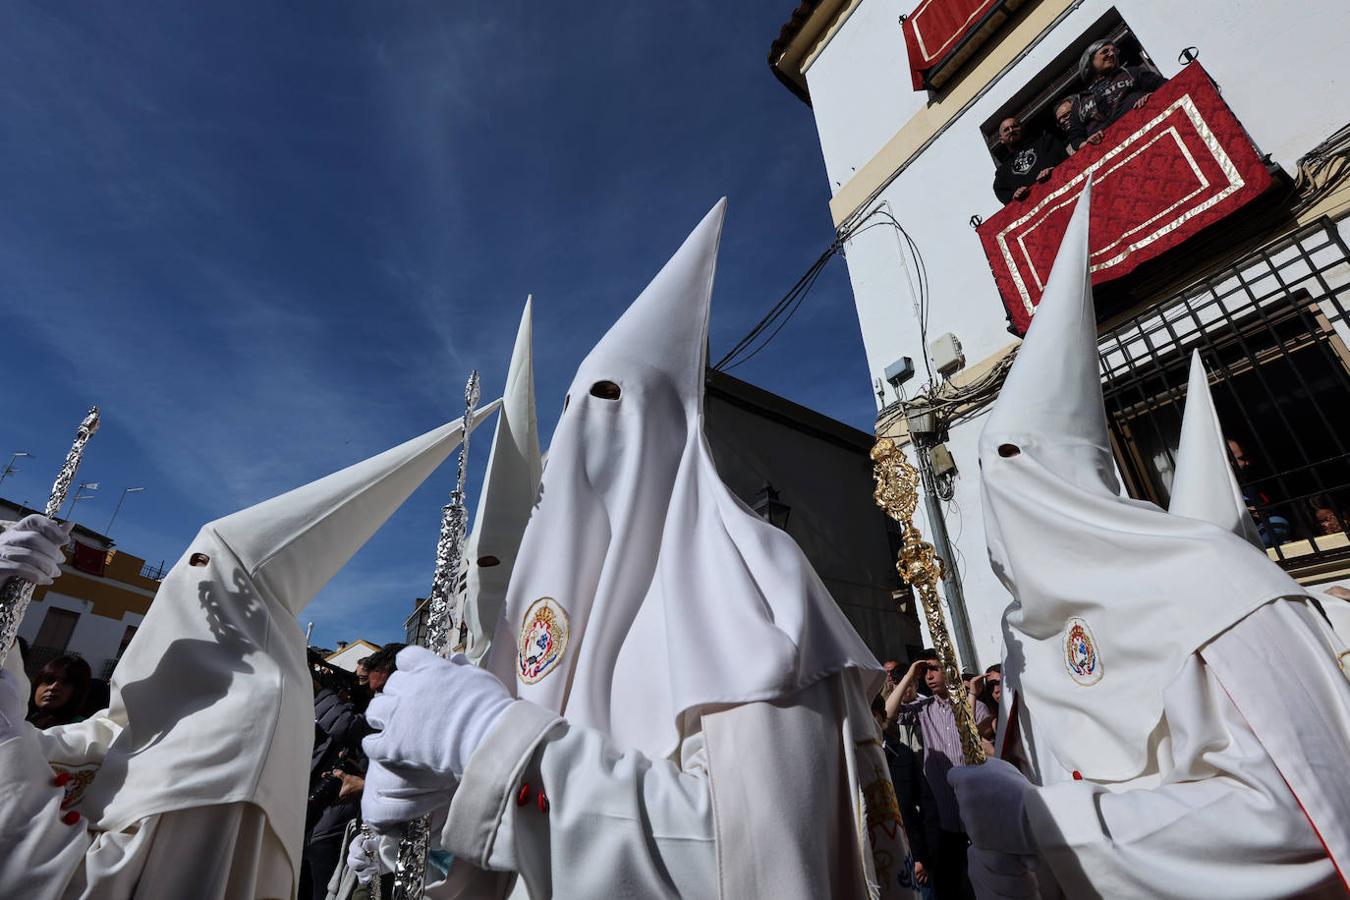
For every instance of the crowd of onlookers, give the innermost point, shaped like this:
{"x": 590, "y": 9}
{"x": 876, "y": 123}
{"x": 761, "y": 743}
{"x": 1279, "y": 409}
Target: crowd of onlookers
{"x": 1279, "y": 522}
{"x": 338, "y": 765}
{"x": 1110, "y": 90}
{"x": 917, "y": 718}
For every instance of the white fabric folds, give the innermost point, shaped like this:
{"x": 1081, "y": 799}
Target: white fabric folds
{"x": 1204, "y": 486}
{"x": 510, "y": 488}
{"x": 1110, "y": 595}
{"x": 644, "y": 591}
{"x": 212, "y": 702}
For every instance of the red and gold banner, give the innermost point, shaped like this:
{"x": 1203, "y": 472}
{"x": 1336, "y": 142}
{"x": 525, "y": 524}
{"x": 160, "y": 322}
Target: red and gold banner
{"x": 935, "y": 28}
{"x": 1162, "y": 174}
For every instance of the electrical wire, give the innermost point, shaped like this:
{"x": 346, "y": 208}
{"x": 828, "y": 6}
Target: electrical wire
{"x": 779, "y": 314}
{"x": 772, "y": 323}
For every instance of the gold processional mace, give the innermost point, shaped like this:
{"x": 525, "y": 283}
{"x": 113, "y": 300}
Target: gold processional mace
{"x": 919, "y": 566}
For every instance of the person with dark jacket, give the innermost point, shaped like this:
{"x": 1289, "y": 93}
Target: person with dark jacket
{"x": 918, "y": 810}
{"x": 1022, "y": 162}
{"x": 1112, "y": 91}
{"x": 337, "y": 770}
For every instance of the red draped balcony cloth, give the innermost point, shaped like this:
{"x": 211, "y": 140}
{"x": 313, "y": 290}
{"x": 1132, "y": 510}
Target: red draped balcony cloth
{"x": 941, "y": 34}
{"x": 89, "y": 559}
{"x": 1162, "y": 174}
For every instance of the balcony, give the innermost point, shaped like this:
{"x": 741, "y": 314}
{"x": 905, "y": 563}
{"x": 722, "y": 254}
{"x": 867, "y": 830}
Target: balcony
{"x": 1163, "y": 174}
{"x": 941, "y": 36}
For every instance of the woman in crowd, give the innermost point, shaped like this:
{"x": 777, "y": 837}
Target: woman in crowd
{"x": 59, "y": 690}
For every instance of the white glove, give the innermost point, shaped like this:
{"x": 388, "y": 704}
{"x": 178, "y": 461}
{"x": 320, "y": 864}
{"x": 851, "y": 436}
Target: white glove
{"x": 433, "y": 714}
{"x": 1001, "y": 876}
{"x": 31, "y": 549}
{"x": 992, "y": 797}
{"x": 397, "y": 794}
{"x": 13, "y": 705}
{"x": 363, "y": 856}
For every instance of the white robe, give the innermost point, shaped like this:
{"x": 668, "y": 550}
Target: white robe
{"x": 1215, "y": 816}
{"x": 769, "y": 799}
{"x": 223, "y": 852}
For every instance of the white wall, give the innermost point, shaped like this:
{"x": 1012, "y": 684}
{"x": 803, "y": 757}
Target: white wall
{"x": 856, "y": 111}
{"x": 833, "y": 517}
{"x": 1280, "y": 67}
{"x": 350, "y": 655}
{"x": 96, "y": 638}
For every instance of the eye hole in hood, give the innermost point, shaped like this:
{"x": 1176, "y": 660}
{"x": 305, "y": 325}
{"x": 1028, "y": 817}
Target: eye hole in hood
{"x": 606, "y": 390}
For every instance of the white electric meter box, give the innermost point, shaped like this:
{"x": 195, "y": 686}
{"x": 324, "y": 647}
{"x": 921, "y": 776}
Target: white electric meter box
{"x": 947, "y": 356}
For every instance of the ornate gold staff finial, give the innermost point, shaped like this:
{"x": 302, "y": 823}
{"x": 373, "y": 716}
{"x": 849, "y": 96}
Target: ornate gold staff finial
{"x": 897, "y": 494}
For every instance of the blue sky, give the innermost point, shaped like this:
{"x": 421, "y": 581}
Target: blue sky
{"x": 271, "y": 239}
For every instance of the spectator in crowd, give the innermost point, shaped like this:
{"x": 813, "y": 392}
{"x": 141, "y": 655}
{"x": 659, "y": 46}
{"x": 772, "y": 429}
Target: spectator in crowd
{"x": 380, "y": 665}
{"x": 1112, "y": 91}
{"x": 988, "y": 693}
{"x": 325, "y": 848}
{"x": 903, "y": 746}
{"x": 892, "y": 668}
{"x": 936, "y": 721}
{"x": 1066, "y": 113}
{"x": 1272, "y": 529}
{"x": 335, "y": 799}
{"x": 1021, "y": 162}
{"x": 336, "y": 771}
{"x": 1325, "y": 517}
{"x": 59, "y": 691}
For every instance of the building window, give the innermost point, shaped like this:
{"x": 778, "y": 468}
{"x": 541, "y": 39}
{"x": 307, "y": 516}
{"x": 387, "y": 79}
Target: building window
{"x": 1034, "y": 104}
{"x": 54, "y": 633}
{"x": 126, "y": 639}
{"x": 1270, "y": 332}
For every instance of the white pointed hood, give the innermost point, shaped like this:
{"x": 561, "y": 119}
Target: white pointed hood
{"x": 644, "y": 590}
{"x": 212, "y": 701}
{"x": 1110, "y": 595}
{"x": 1204, "y": 486}
{"x": 510, "y": 488}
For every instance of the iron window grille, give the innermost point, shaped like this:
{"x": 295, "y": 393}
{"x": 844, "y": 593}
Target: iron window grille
{"x": 1272, "y": 332}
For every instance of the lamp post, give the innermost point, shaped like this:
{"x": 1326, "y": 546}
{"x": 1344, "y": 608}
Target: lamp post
{"x": 81, "y": 493}
{"x": 769, "y": 508}
{"x": 118, "y": 507}
{"x": 9, "y": 469}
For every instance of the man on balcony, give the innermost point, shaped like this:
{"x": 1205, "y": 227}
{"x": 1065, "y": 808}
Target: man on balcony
{"x": 1112, "y": 91}
{"x": 1022, "y": 162}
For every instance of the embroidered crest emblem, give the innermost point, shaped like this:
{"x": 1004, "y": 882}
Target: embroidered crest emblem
{"x": 543, "y": 638}
{"x": 76, "y": 782}
{"x": 891, "y": 857}
{"x": 1024, "y": 161}
{"x": 1081, "y": 656}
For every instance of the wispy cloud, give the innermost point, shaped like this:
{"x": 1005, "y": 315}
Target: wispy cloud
{"x": 272, "y": 239}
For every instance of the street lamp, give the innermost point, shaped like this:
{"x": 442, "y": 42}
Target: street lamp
{"x": 769, "y": 508}
{"x": 118, "y": 507}
{"x": 9, "y": 469}
{"x": 81, "y": 493}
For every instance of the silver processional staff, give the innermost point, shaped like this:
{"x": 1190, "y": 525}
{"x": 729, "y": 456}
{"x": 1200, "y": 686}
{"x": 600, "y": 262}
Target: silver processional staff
{"x": 17, "y": 593}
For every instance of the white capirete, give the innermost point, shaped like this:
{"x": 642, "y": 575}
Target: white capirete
{"x": 510, "y": 488}
{"x": 212, "y": 702}
{"x": 674, "y": 596}
{"x": 1146, "y": 588}
{"x": 1204, "y": 486}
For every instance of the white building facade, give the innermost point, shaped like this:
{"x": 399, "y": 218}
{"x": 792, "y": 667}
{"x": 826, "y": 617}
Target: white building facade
{"x": 94, "y": 608}
{"x": 1261, "y": 289}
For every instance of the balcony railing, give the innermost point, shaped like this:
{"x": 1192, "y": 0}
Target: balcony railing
{"x": 1162, "y": 174}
